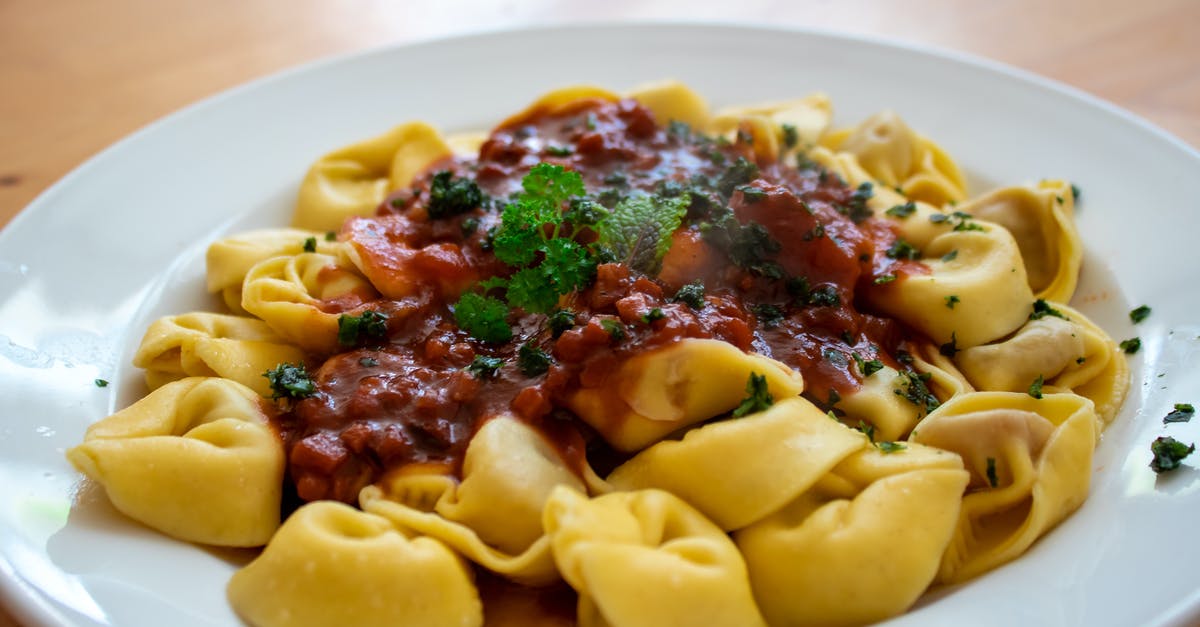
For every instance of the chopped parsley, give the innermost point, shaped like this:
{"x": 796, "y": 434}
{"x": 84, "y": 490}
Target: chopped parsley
{"x": 951, "y": 301}
{"x": 950, "y": 349}
{"x": 961, "y": 221}
{"x": 1168, "y": 453}
{"x": 901, "y": 249}
{"x": 751, "y": 194}
{"x": 100, "y": 383}
{"x": 791, "y": 136}
{"x": 469, "y": 226}
{"x": 993, "y": 480}
{"x": 330, "y": 236}
{"x": 1075, "y": 192}
{"x": 867, "y": 368}
{"x": 748, "y": 245}
{"x": 857, "y": 209}
{"x": 691, "y": 295}
{"x": 1183, "y": 412}
{"x": 912, "y": 388}
{"x": 484, "y": 367}
{"x": 1131, "y": 346}
{"x": 884, "y": 279}
{"x": 484, "y": 317}
{"x": 768, "y": 315}
{"x": 450, "y": 195}
{"x": 370, "y": 326}
{"x": 1035, "y": 388}
{"x": 950, "y": 256}
{"x": 290, "y": 381}
{"x": 825, "y": 295}
{"x": 902, "y": 211}
{"x": 758, "y": 397}
{"x": 558, "y": 151}
{"x": 614, "y": 329}
{"x": 739, "y": 173}
{"x": 890, "y": 447}
{"x": 1139, "y": 314}
{"x": 653, "y": 315}
{"x": 310, "y": 245}
{"x": 1041, "y": 309}
{"x": 868, "y": 430}
{"x": 560, "y": 321}
{"x": 532, "y": 361}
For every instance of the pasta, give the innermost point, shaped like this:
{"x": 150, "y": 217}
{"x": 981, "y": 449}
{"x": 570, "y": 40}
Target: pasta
{"x": 663, "y": 363}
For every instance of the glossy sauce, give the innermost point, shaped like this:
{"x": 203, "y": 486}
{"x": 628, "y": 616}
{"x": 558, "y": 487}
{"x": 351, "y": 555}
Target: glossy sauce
{"x": 411, "y": 399}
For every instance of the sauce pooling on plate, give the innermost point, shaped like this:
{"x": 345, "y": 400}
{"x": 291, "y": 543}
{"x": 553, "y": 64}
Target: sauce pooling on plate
{"x": 768, "y": 257}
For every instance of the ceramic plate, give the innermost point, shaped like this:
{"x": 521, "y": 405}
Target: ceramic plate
{"x": 120, "y": 241}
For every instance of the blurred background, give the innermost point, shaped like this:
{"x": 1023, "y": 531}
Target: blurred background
{"x": 77, "y": 75}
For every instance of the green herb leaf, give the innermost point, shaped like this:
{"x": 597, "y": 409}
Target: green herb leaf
{"x": 484, "y": 367}
{"x": 739, "y": 173}
{"x": 1139, "y": 314}
{"x": 884, "y": 279}
{"x": 1041, "y": 309}
{"x": 950, "y": 349}
{"x": 993, "y": 480}
{"x": 100, "y": 383}
{"x": 1168, "y": 453}
{"x": 758, "y": 396}
{"x": 484, "y": 317}
{"x": 914, "y": 390}
{"x": 450, "y": 195}
{"x": 310, "y": 245}
{"x": 638, "y": 230}
{"x": 691, "y": 295}
{"x": 890, "y": 447}
{"x": 868, "y": 429}
{"x": 653, "y": 315}
{"x": 1131, "y": 346}
{"x": 769, "y": 316}
{"x": 824, "y": 295}
{"x": 952, "y": 300}
{"x": 950, "y": 256}
{"x": 290, "y": 381}
{"x": 1035, "y": 388}
{"x": 560, "y": 321}
{"x": 370, "y": 326}
{"x": 615, "y": 329}
{"x": 901, "y": 249}
{"x": 1183, "y": 412}
{"x": 532, "y": 361}
{"x": 902, "y": 211}
{"x": 791, "y": 136}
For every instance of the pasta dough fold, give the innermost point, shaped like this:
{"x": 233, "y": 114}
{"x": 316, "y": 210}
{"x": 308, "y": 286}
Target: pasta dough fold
{"x": 203, "y": 344}
{"x": 229, "y": 259}
{"x": 647, "y": 558}
{"x": 862, "y": 545}
{"x": 354, "y": 180}
{"x": 1030, "y": 463}
{"x": 657, "y": 392}
{"x": 331, "y": 564}
{"x": 737, "y": 471}
{"x": 494, "y": 516}
{"x": 195, "y": 459}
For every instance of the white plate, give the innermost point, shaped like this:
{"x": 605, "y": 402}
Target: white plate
{"x": 119, "y": 241}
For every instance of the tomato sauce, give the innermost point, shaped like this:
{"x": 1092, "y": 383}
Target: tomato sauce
{"x": 778, "y": 250}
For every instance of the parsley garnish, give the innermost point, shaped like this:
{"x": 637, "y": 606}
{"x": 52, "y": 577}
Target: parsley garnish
{"x": 100, "y": 383}
{"x": 950, "y": 256}
{"x": 790, "y": 135}
{"x": 691, "y": 295}
{"x": 532, "y": 360}
{"x": 483, "y": 317}
{"x": 960, "y": 219}
{"x": 371, "y": 326}
{"x": 450, "y": 196}
{"x": 902, "y": 211}
{"x": 884, "y": 279}
{"x": 1035, "y": 388}
{"x": 615, "y": 329}
{"x": 751, "y": 194}
{"x": 901, "y": 249}
{"x": 952, "y": 300}
{"x": 768, "y": 315}
{"x": 1183, "y": 412}
{"x": 825, "y": 295}
{"x": 950, "y": 349}
{"x": 913, "y": 388}
{"x": 310, "y": 245}
{"x": 469, "y": 226}
{"x": 1139, "y": 314}
{"x": 740, "y": 173}
{"x": 484, "y": 367}
{"x": 560, "y": 321}
{"x": 993, "y": 480}
{"x": 1041, "y": 309}
{"x": 1131, "y": 346}
{"x": 890, "y": 447}
{"x": 758, "y": 397}
{"x": 330, "y": 236}
{"x": 653, "y": 315}
{"x": 558, "y": 151}
{"x": 1168, "y": 452}
{"x": 858, "y": 210}
{"x": 290, "y": 381}
{"x": 1075, "y": 192}
{"x": 868, "y": 430}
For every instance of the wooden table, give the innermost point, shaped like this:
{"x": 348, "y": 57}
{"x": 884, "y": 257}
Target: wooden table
{"x": 77, "y": 75}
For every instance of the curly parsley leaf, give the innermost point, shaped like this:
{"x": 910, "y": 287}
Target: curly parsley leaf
{"x": 1168, "y": 453}
{"x": 1139, "y": 314}
{"x": 484, "y": 367}
{"x": 450, "y": 195}
{"x": 691, "y": 295}
{"x": 532, "y": 361}
{"x": 484, "y": 317}
{"x": 758, "y": 397}
{"x": 369, "y": 327}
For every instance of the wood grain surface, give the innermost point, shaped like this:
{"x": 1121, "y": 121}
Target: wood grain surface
{"x": 77, "y": 75}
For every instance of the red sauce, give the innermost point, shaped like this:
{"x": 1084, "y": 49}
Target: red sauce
{"x": 412, "y": 400}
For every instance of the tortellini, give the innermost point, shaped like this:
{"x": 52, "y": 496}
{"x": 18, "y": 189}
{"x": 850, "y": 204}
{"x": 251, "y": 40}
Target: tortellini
{"x": 332, "y": 564}
{"x": 1030, "y": 463}
{"x": 647, "y": 558}
{"x": 738, "y": 471}
{"x": 206, "y": 344}
{"x": 354, "y": 180}
{"x": 654, "y": 393}
{"x": 289, "y": 293}
{"x": 778, "y": 127}
{"x": 229, "y": 259}
{"x": 195, "y": 459}
{"x": 862, "y": 545}
{"x": 494, "y": 514}
{"x": 1042, "y": 221}
{"x": 900, "y": 158}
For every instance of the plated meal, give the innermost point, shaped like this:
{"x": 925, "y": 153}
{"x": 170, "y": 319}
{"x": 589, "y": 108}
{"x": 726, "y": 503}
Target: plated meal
{"x": 624, "y": 360}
